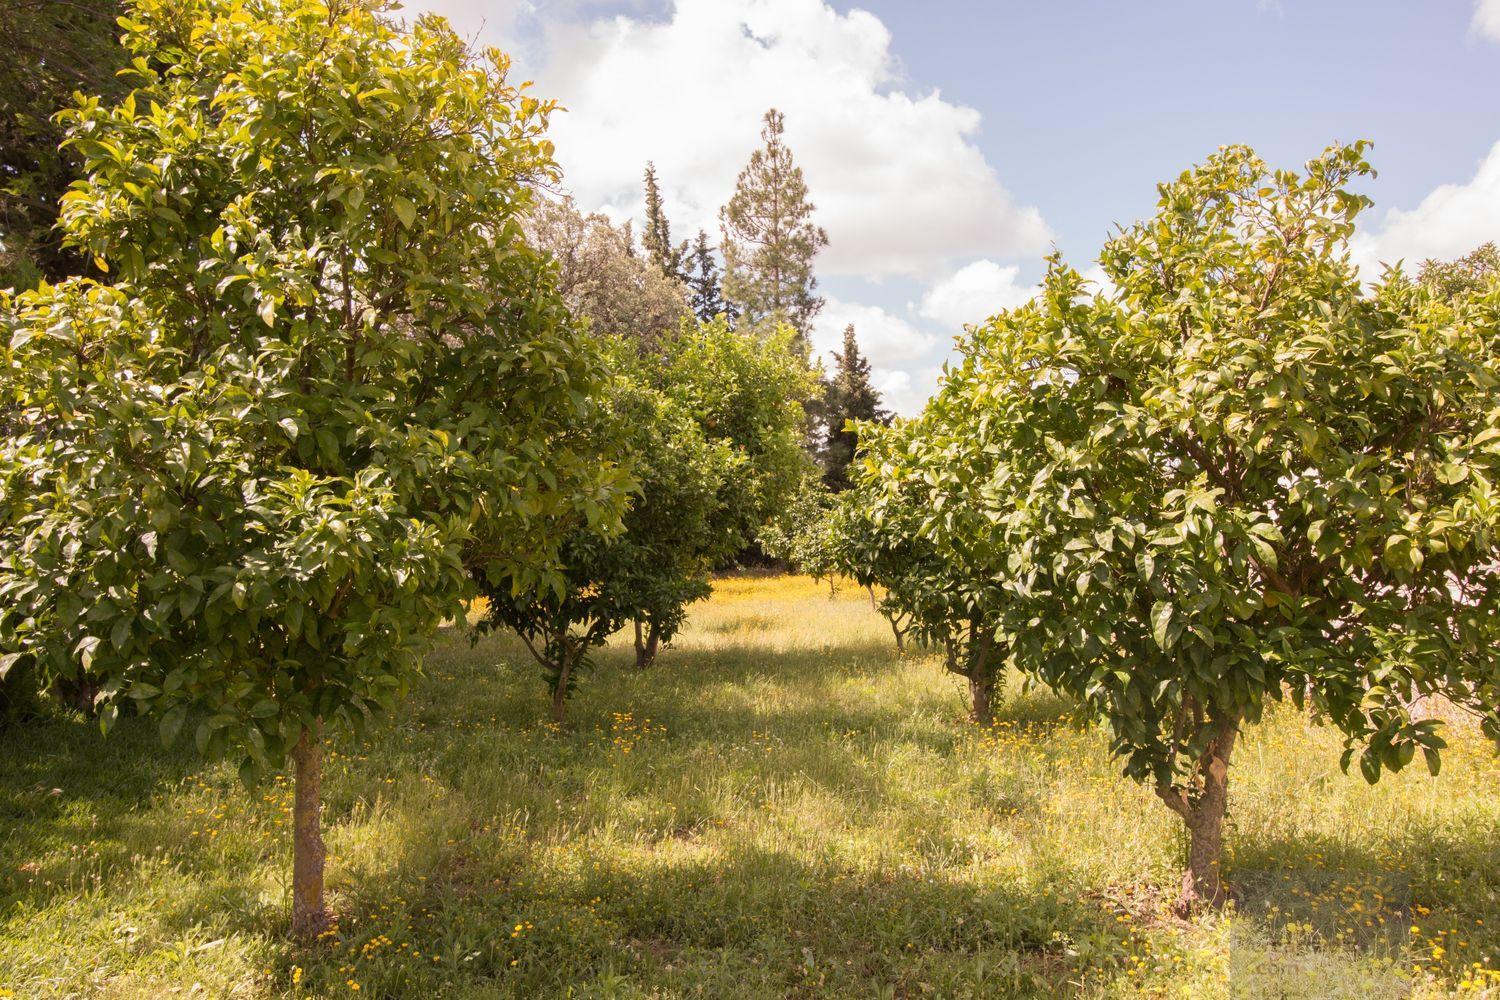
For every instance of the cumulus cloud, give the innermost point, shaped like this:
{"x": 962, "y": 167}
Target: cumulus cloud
{"x": 974, "y": 293}
{"x": 896, "y": 176}
{"x": 1449, "y": 222}
{"x": 886, "y": 339}
{"x": 1487, "y": 19}
{"x": 900, "y": 184}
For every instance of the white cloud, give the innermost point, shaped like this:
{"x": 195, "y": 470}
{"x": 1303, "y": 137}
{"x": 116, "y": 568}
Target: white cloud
{"x": 897, "y": 179}
{"x": 1487, "y": 19}
{"x": 900, "y": 185}
{"x": 886, "y": 339}
{"x": 1449, "y": 222}
{"x": 974, "y": 293}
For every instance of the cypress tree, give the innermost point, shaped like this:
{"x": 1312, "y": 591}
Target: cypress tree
{"x": 704, "y": 293}
{"x": 658, "y": 236}
{"x": 769, "y": 239}
{"x": 850, "y": 395}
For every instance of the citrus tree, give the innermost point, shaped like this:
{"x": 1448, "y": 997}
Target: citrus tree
{"x": 800, "y": 534}
{"x": 746, "y": 388}
{"x": 1238, "y": 478}
{"x": 238, "y": 484}
{"x": 647, "y": 574}
{"x": 880, "y": 537}
{"x": 709, "y": 423}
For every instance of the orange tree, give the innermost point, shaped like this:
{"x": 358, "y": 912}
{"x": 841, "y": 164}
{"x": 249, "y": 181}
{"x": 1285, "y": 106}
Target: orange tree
{"x": 880, "y": 531}
{"x": 710, "y": 426}
{"x": 649, "y": 572}
{"x": 1237, "y": 478}
{"x": 238, "y": 484}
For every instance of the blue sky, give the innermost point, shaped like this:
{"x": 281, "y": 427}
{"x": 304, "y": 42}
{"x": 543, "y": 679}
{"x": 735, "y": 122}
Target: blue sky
{"x": 949, "y": 144}
{"x": 1088, "y": 103}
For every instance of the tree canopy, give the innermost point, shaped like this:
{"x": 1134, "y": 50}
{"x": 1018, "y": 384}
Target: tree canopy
{"x": 1237, "y": 478}
{"x": 333, "y": 365}
{"x": 601, "y": 277}
{"x": 849, "y": 398}
{"x": 53, "y": 50}
{"x": 769, "y": 238}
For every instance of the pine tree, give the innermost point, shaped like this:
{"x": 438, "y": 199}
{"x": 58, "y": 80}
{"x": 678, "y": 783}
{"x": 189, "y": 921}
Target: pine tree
{"x": 704, "y": 293}
{"x": 658, "y": 237}
{"x": 769, "y": 239}
{"x": 849, "y": 395}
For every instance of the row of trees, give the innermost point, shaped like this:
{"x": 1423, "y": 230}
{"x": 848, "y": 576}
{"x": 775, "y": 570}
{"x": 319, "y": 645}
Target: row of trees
{"x": 1235, "y": 477}
{"x": 338, "y": 374}
{"x": 769, "y": 245}
{"x": 712, "y": 422}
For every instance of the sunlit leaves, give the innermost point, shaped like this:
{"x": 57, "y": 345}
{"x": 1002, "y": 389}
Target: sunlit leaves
{"x": 245, "y": 483}
{"x": 1239, "y": 475}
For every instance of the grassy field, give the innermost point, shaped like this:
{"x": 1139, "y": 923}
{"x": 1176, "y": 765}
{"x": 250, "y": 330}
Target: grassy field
{"x": 780, "y": 807}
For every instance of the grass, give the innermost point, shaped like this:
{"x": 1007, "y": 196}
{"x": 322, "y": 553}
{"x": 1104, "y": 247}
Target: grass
{"x": 780, "y": 807}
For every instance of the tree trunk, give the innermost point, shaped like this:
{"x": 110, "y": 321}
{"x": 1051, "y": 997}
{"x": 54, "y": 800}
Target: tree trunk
{"x": 900, "y": 637}
{"x": 981, "y": 693}
{"x": 981, "y": 674}
{"x": 309, "y": 915}
{"x": 560, "y": 692}
{"x": 874, "y": 606}
{"x": 1203, "y": 813}
{"x": 645, "y": 651}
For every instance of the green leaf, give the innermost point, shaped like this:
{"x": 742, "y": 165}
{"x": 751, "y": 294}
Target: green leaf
{"x": 171, "y": 724}
{"x": 1161, "y": 623}
{"x": 405, "y": 211}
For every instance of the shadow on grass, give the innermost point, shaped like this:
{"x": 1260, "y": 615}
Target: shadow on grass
{"x": 65, "y": 781}
{"x": 743, "y": 923}
{"x": 1367, "y": 892}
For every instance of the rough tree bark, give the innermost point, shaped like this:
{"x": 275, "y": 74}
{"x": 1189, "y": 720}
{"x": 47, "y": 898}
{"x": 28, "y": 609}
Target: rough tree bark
{"x": 977, "y": 667}
{"x": 309, "y": 915}
{"x": 1202, "y": 809}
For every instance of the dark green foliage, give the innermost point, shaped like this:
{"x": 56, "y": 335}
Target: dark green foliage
{"x": 240, "y": 480}
{"x": 947, "y": 600}
{"x": 849, "y": 398}
{"x": 709, "y": 425}
{"x": 670, "y": 260}
{"x": 800, "y": 534}
{"x": 648, "y": 573}
{"x": 705, "y": 294}
{"x": 1237, "y": 479}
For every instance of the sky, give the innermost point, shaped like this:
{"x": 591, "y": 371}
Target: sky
{"x": 949, "y": 145}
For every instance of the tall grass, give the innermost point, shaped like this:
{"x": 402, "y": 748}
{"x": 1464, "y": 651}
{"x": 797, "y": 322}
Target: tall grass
{"x": 780, "y": 807}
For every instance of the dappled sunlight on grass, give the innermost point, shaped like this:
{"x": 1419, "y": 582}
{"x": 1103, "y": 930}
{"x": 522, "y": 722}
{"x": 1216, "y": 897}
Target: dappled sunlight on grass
{"x": 780, "y": 807}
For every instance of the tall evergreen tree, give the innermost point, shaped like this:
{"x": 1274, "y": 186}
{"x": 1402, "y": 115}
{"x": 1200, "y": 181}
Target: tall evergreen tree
{"x": 769, "y": 239}
{"x": 658, "y": 237}
{"x": 704, "y": 292}
{"x": 849, "y": 395}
